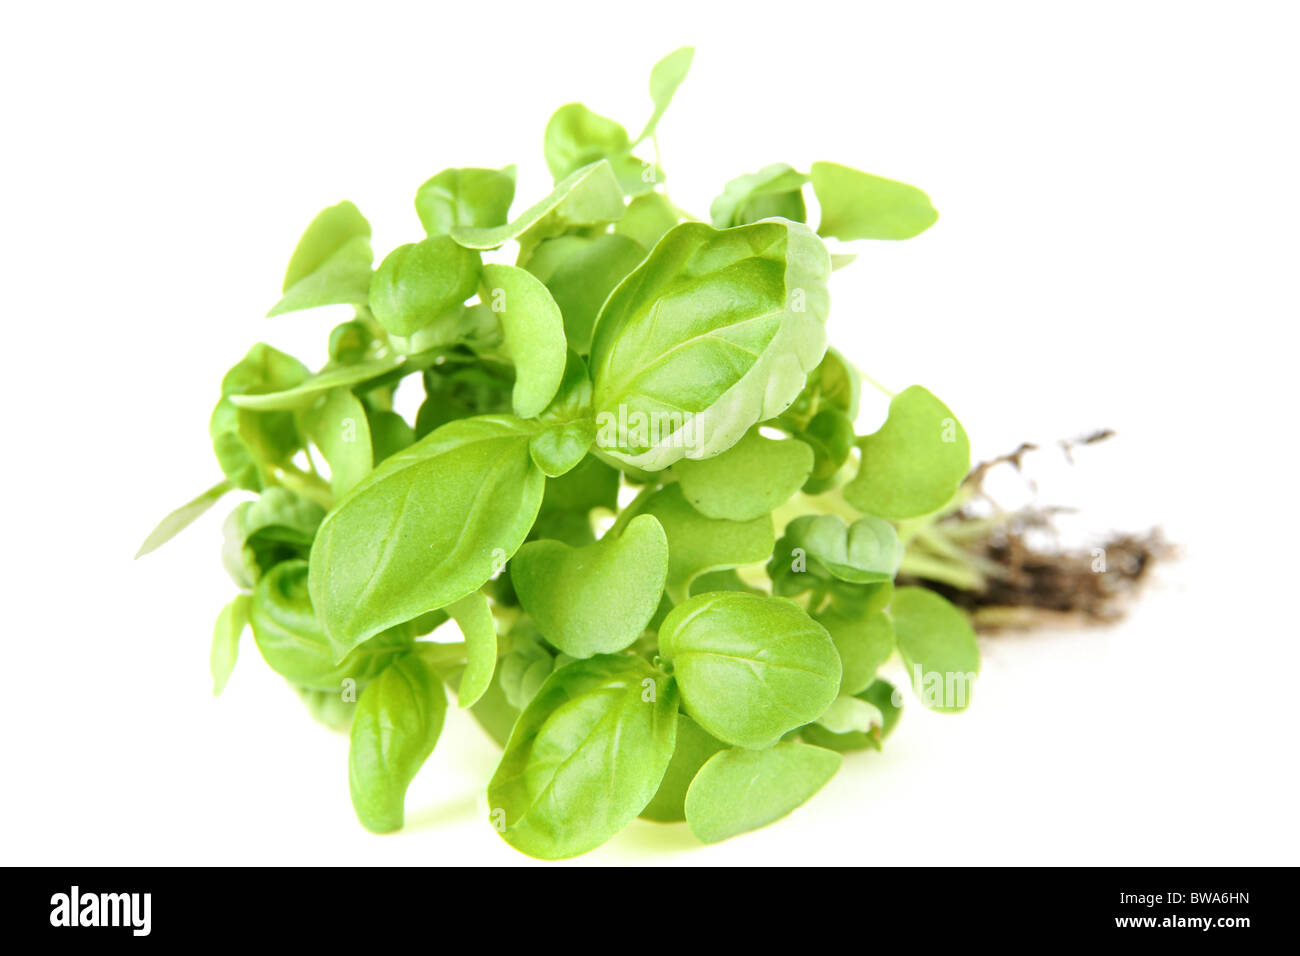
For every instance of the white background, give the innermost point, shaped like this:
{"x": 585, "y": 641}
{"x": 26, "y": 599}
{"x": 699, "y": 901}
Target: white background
{"x": 1117, "y": 247}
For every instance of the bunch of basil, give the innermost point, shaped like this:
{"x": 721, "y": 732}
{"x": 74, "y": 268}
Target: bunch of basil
{"x": 632, "y": 365}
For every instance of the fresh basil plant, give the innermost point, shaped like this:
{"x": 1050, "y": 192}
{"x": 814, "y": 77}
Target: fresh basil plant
{"x": 633, "y": 494}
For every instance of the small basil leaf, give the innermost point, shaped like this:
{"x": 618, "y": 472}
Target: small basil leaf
{"x": 309, "y": 391}
{"x": 575, "y": 137}
{"x": 396, "y": 726}
{"x": 331, "y": 265}
{"x": 864, "y": 641}
{"x": 389, "y": 434}
{"x": 328, "y": 707}
{"x": 665, "y": 77}
{"x": 694, "y": 747}
{"x": 850, "y": 715}
{"x": 225, "y": 641}
{"x": 916, "y": 461}
{"x": 647, "y": 218}
{"x": 697, "y": 544}
{"x": 773, "y": 191}
{"x": 474, "y": 618}
{"x": 425, "y": 528}
{"x": 881, "y": 696}
{"x": 580, "y": 273}
{"x": 597, "y": 599}
{"x": 713, "y": 333}
{"x": 422, "y": 281}
{"x": 465, "y": 197}
{"x": 748, "y": 480}
{"x": 751, "y": 668}
{"x": 858, "y": 205}
{"x": 289, "y": 635}
{"x": 740, "y": 790}
{"x": 534, "y": 334}
{"x": 865, "y": 552}
{"x": 279, "y": 526}
{"x": 938, "y": 646}
{"x": 589, "y": 196}
{"x": 182, "y": 518}
{"x": 586, "y": 756}
{"x": 340, "y": 429}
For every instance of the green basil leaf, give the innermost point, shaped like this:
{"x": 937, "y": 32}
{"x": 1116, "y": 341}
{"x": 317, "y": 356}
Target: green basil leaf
{"x": 938, "y": 646}
{"x": 713, "y": 333}
{"x": 422, "y": 281}
{"x": 831, "y": 437}
{"x": 575, "y": 137}
{"x": 396, "y": 726}
{"x": 331, "y": 230}
{"x": 865, "y": 552}
{"x": 848, "y": 715}
{"x": 665, "y": 77}
{"x": 751, "y": 668}
{"x": 328, "y": 707}
{"x": 340, "y": 429}
{"x": 647, "y": 218}
{"x": 586, "y": 756}
{"x": 184, "y": 516}
{"x": 331, "y": 265}
{"x": 858, "y": 205}
{"x": 580, "y": 272}
{"x": 864, "y": 641}
{"x": 305, "y": 393}
{"x": 881, "y": 696}
{"x": 694, "y": 748}
{"x": 279, "y": 526}
{"x": 350, "y": 342}
{"x": 568, "y": 430}
{"x": 225, "y": 641}
{"x": 597, "y": 599}
{"x": 773, "y": 191}
{"x": 289, "y": 635}
{"x": 915, "y": 463}
{"x": 742, "y": 790}
{"x": 534, "y": 334}
{"x": 697, "y": 544}
{"x": 389, "y": 434}
{"x": 245, "y": 442}
{"x": 589, "y": 196}
{"x": 427, "y": 527}
{"x": 474, "y": 618}
{"x": 748, "y": 480}
{"x": 471, "y": 197}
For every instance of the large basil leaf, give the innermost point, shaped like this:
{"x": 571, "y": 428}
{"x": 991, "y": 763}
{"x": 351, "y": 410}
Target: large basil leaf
{"x": 289, "y": 635}
{"x": 396, "y": 725}
{"x": 475, "y": 198}
{"x": 713, "y": 333}
{"x": 425, "y": 528}
{"x": 599, "y": 598}
{"x": 751, "y": 668}
{"x": 586, "y": 756}
{"x": 914, "y": 463}
{"x": 740, "y": 790}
